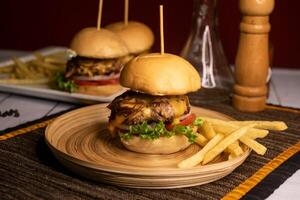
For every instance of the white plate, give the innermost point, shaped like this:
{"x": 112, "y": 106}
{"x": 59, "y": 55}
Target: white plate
{"x": 44, "y": 91}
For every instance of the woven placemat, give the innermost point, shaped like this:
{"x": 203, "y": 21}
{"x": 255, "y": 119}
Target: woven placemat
{"x": 28, "y": 170}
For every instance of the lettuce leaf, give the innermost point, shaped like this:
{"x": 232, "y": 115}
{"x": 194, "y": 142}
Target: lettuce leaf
{"x": 198, "y": 121}
{"x": 156, "y": 130}
{"x": 64, "y": 84}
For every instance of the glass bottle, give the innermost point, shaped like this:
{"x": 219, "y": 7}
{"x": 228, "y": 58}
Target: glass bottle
{"x": 204, "y": 49}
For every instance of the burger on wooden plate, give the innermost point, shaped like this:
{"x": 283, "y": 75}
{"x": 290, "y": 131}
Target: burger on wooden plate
{"x": 95, "y": 69}
{"x": 154, "y": 115}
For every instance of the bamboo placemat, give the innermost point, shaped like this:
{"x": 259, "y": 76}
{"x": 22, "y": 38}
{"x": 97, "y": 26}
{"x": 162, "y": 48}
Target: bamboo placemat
{"x": 29, "y": 170}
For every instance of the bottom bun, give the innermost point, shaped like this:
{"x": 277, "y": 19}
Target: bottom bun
{"x": 163, "y": 145}
{"x": 100, "y": 90}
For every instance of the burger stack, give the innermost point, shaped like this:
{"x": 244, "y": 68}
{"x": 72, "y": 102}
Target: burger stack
{"x": 101, "y": 54}
{"x": 154, "y": 116}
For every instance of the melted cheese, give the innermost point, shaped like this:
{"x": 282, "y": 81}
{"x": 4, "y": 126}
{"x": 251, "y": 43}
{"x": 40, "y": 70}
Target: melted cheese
{"x": 179, "y": 106}
{"x": 113, "y": 124}
{"x": 147, "y": 112}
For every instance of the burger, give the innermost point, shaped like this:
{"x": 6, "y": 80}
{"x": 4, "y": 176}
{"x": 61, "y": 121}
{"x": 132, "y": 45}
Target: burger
{"x": 95, "y": 68}
{"x": 154, "y": 116}
{"x": 137, "y": 36}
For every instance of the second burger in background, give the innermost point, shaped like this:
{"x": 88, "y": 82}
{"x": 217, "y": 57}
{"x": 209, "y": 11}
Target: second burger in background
{"x": 138, "y": 37}
{"x": 95, "y": 70}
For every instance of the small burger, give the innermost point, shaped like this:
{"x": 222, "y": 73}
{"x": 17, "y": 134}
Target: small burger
{"x": 95, "y": 69}
{"x": 137, "y": 36}
{"x": 154, "y": 115}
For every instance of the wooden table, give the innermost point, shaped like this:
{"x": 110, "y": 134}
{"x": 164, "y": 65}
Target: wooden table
{"x": 284, "y": 91}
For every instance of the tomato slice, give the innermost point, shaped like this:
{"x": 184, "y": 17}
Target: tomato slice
{"x": 98, "y": 82}
{"x": 188, "y": 120}
{"x": 169, "y": 127}
{"x": 185, "y": 122}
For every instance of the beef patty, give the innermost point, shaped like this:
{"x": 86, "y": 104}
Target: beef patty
{"x": 136, "y": 108}
{"x": 83, "y": 66}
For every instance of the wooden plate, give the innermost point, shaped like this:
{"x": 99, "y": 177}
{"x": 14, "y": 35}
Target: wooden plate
{"x": 80, "y": 141}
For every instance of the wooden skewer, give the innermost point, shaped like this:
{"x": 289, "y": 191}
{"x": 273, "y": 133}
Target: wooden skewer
{"x": 162, "y": 43}
{"x": 126, "y": 12}
{"x": 99, "y": 14}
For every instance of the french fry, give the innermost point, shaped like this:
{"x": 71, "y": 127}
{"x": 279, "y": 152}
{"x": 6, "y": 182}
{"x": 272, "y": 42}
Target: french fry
{"x": 269, "y": 125}
{"x": 37, "y": 71}
{"x": 198, "y": 157}
{"x": 200, "y": 140}
{"x": 232, "y": 132}
{"x": 257, "y": 147}
{"x": 38, "y": 55}
{"x": 226, "y": 128}
{"x": 56, "y": 61}
{"x": 48, "y": 66}
{"x": 26, "y": 81}
{"x": 222, "y": 145}
{"x": 59, "y": 54}
{"x": 6, "y": 69}
{"x": 207, "y": 130}
{"x": 234, "y": 149}
{"x": 19, "y": 73}
{"x": 249, "y": 141}
{"x": 21, "y": 69}
{"x": 59, "y": 58}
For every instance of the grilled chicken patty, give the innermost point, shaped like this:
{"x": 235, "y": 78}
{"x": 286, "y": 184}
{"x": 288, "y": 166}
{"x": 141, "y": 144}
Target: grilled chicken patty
{"x": 133, "y": 108}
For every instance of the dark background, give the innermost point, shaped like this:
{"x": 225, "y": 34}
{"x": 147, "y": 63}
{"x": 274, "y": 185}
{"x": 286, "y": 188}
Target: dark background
{"x": 33, "y": 24}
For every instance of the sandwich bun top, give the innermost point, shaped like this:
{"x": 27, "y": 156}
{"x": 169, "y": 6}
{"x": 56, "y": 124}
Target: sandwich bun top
{"x": 93, "y": 43}
{"x": 137, "y": 36}
{"x": 160, "y": 74}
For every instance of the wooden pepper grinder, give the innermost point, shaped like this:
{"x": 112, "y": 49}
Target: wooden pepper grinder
{"x": 252, "y": 60}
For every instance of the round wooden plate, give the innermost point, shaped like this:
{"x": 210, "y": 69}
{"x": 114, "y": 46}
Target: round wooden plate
{"x": 80, "y": 141}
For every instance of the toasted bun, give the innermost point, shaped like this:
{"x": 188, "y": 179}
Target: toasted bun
{"x": 163, "y": 145}
{"x": 93, "y": 43}
{"x": 100, "y": 90}
{"x": 160, "y": 74}
{"x": 137, "y": 36}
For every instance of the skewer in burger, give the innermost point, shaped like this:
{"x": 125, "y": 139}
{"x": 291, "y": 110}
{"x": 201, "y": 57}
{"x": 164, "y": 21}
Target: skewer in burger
{"x": 154, "y": 116}
{"x": 95, "y": 70}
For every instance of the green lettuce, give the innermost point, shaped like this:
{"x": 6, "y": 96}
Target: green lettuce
{"x": 64, "y": 84}
{"x": 156, "y": 130}
{"x": 198, "y": 121}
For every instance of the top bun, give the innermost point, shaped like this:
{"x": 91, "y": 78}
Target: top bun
{"x": 160, "y": 74}
{"x": 93, "y": 43}
{"x": 137, "y": 36}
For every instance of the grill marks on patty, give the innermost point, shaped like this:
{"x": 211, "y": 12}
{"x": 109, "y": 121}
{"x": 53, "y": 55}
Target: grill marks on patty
{"x": 138, "y": 107}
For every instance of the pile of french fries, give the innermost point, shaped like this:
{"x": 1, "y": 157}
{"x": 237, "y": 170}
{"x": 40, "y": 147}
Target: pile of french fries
{"x": 38, "y": 71}
{"x": 216, "y": 136}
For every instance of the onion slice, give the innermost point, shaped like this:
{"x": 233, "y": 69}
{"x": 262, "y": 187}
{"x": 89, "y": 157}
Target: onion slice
{"x": 184, "y": 116}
